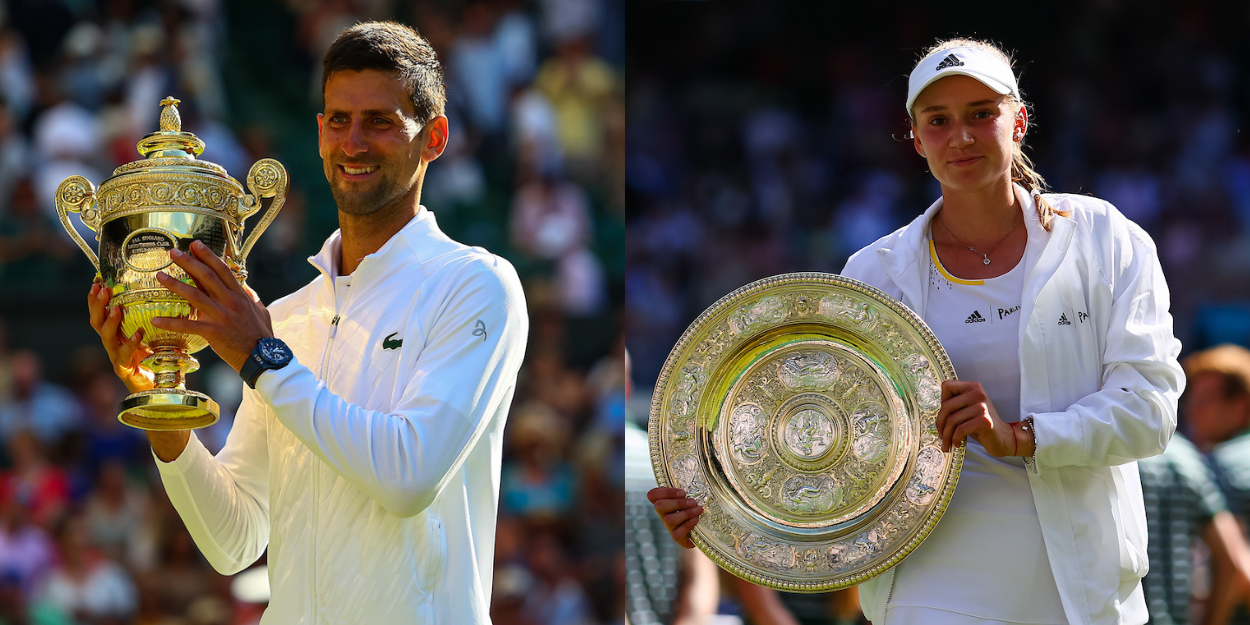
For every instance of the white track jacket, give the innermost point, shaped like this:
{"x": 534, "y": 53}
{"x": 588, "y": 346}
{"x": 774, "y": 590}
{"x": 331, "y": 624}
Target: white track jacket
{"x": 1098, "y": 373}
{"x": 369, "y": 465}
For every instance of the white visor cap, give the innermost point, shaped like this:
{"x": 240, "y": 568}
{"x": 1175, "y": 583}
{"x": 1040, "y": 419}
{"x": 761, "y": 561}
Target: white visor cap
{"x": 985, "y": 66}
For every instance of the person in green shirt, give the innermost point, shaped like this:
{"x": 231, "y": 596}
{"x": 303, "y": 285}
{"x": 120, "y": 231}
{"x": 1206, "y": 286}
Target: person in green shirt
{"x": 1216, "y": 408}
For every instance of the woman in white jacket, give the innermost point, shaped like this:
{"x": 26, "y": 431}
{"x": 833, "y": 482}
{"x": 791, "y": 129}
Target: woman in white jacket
{"x": 1054, "y": 311}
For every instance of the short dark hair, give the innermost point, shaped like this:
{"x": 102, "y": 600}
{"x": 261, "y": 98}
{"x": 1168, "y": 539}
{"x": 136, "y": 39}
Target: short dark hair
{"x": 391, "y": 47}
{"x": 1232, "y": 362}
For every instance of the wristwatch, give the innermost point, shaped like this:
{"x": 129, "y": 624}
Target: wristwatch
{"x": 270, "y": 353}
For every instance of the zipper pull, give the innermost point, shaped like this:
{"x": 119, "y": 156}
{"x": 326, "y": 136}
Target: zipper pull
{"x": 334, "y": 325}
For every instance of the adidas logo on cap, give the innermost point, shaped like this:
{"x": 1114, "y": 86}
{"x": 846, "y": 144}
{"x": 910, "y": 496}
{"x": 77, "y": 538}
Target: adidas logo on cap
{"x": 950, "y": 61}
{"x": 975, "y": 317}
{"x": 1063, "y": 320}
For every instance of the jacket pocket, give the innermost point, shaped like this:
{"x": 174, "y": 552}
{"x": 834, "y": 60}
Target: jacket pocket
{"x": 432, "y": 567}
{"x": 1134, "y": 562}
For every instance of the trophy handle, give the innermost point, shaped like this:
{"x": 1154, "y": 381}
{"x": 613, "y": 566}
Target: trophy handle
{"x": 267, "y": 178}
{"x": 77, "y": 195}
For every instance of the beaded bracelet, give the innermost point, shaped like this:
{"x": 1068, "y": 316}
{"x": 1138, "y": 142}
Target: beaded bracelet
{"x": 1026, "y": 424}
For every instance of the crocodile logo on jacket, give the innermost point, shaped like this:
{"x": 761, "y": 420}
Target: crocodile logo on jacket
{"x": 387, "y": 343}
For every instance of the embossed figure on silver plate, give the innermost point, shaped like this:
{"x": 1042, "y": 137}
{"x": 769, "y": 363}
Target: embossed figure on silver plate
{"x": 811, "y": 494}
{"x": 855, "y": 384}
{"x": 766, "y": 553}
{"x": 838, "y": 556}
{"x": 809, "y": 433}
{"x": 845, "y": 309}
{"x": 924, "y": 482}
{"x": 689, "y": 477}
{"x": 928, "y": 390}
{"x": 872, "y": 433}
{"x": 746, "y": 434}
{"x": 808, "y": 370}
{"x": 846, "y": 555}
{"x": 870, "y": 543}
{"x": 685, "y": 396}
{"x": 770, "y": 309}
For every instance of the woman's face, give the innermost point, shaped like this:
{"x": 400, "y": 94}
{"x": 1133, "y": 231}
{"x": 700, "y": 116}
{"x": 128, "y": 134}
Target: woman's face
{"x": 966, "y": 132}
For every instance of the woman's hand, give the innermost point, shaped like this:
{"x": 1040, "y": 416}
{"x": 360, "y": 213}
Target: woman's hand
{"x": 967, "y": 411}
{"x": 679, "y": 514}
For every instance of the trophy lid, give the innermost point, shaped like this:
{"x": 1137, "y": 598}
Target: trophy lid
{"x": 171, "y": 147}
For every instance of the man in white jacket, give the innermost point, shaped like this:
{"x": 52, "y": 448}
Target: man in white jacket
{"x": 367, "y": 448}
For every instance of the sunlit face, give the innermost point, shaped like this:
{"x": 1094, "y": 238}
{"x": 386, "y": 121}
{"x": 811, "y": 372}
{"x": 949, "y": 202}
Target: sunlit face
{"x": 966, "y": 132}
{"x": 1212, "y": 416}
{"x": 370, "y": 140}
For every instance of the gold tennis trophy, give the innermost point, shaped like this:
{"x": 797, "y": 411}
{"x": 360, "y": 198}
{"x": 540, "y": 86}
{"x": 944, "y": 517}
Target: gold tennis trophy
{"x": 145, "y": 209}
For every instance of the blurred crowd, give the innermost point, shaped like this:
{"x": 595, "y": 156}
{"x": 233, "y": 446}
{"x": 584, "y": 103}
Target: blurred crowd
{"x": 763, "y": 141}
{"x": 534, "y": 172}
{"x": 767, "y": 138}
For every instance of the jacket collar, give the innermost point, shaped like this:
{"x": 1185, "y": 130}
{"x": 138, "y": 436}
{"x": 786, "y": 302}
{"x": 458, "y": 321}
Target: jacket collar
{"x": 907, "y": 263}
{"x": 421, "y": 226}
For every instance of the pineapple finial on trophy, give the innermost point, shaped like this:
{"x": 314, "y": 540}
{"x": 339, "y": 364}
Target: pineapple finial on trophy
{"x": 171, "y": 121}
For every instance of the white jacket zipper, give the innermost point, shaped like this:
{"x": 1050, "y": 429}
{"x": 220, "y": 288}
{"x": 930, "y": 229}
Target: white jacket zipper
{"x": 316, "y": 466}
{"x": 889, "y": 594}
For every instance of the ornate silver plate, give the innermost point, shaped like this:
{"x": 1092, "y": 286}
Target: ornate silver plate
{"x": 800, "y": 412}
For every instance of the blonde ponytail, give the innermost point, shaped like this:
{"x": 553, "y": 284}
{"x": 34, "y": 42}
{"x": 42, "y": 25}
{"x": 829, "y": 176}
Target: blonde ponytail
{"x": 1022, "y": 172}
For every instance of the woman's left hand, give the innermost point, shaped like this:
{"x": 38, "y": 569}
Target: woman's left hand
{"x": 967, "y": 411}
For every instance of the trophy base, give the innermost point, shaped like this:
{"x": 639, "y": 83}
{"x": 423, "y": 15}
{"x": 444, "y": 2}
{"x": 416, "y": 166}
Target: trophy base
{"x": 168, "y": 409}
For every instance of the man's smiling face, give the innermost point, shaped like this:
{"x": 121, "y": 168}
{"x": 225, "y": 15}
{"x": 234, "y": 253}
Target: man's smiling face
{"x": 369, "y": 140}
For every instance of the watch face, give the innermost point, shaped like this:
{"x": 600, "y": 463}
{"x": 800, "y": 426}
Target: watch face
{"x": 274, "y": 351}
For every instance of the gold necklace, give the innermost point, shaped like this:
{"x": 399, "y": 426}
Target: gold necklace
{"x": 986, "y": 255}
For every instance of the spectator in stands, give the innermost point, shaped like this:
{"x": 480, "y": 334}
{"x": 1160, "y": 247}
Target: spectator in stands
{"x": 583, "y": 89}
{"x": 27, "y": 551}
{"x": 33, "y": 481}
{"x": 33, "y": 247}
{"x": 1217, "y": 398}
{"x": 538, "y": 483}
{"x": 1184, "y": 504}
{"x": 14, "y": 150}
{"x": 557, "y": 597}
{"x": 43, "y": 408}
{"x": 117, "y": 517}
{"x": 17, "y": 609}
{"x": 106, "y": 438}
{"x": 86, "y": 583}
{"x": 1217, "y": 405}
{"x": 181, "y": 575}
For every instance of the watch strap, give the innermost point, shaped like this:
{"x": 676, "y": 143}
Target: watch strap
{"x": 252, "y": 368}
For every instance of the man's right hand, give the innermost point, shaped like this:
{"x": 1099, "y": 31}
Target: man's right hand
{"x": 679, "y": 514}
{"x": 125, "y": 353}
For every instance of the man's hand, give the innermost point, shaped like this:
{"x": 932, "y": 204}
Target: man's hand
{"x": 231, "y": 316}
{"x": 679, "y": 514}
{"x": 125, "y": 353}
